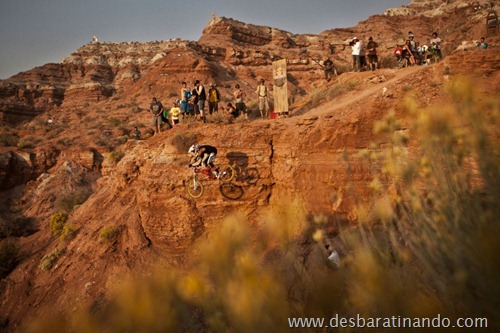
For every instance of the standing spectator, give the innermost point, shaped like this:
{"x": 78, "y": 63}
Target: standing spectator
{"x": 436, "y": 44}
{"x": 413, "y": 47}
{"x": 239, "y": 96}
{"x": 356, "y": 49}
{"x": 193, "y": 107}
{"x": 175, "y": 111}
{"x": 156, "y": 109}
{"x": 263, "y": 101}
{"x": 213, "y": 99}
{"x": 482, "y": 44}
{"x": 202, "y": 97}
{"x": 362, "y": 56}
{"x": 371, "y": 47}
{"x": 185, "y": 96}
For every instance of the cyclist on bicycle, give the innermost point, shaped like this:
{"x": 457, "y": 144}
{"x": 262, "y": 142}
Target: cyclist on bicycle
{"x": 203, "y": 155}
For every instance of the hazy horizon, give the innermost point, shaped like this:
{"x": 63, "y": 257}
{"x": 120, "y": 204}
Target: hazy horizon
{"x": 34, "y": 33}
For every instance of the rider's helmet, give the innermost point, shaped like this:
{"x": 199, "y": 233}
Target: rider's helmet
{"x": 194, "y": 149}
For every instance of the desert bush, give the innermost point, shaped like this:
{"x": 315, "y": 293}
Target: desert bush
{"x": 65, "y": 142}
{"x": 57, "y": 222}
{"x": 109, "y": 234}
{"x": 8, "y": 257}
{"x": 114, "y": 122}
{"x": 68, "y": 200}
{"x": 16, "y": 227}
{"x": 182, "y": 141}
{"x": 49, "y": 260}
{"x": 8, "y": 139}
{"x": 122, "y": 139}
{"x": 68, "y": 232}
{"x": 116, "y": 155}
{"x": 438, "y": 213}
{"x": 27, "y": 142}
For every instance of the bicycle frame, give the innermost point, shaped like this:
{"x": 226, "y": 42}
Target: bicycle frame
{"x": 204, "y": 171}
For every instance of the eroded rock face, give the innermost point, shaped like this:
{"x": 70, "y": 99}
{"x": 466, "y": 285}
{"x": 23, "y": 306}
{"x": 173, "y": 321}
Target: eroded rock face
{"x": 15, "y": 169}
{"x": 430, "y": 8}
{"x": 228, "y": 51}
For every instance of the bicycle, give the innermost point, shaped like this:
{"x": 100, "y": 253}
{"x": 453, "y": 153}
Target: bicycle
{"x": 195, "y": 187}
{"x": 432, "y": 56}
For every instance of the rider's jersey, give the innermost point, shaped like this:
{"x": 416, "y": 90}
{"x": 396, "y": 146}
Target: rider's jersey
{"x": 206, "y": 149}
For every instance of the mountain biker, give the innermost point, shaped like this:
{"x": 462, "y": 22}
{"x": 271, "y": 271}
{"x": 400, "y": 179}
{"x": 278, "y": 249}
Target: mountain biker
{"x": 203, "y": 155}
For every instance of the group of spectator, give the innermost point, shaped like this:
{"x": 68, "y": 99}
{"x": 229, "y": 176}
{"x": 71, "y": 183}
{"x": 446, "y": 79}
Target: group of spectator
{"x": 192, "y": 102}
{"x": 360, "y": 54}
{"x": 413, "y": 53}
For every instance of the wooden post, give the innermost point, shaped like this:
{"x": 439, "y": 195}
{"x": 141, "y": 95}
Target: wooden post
{"x": 280, "y": 91}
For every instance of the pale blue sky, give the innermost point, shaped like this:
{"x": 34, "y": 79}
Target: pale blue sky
{"x": 36, "y": 32}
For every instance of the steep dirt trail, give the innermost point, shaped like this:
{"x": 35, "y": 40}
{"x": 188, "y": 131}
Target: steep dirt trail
{"x": 366, "y": 89}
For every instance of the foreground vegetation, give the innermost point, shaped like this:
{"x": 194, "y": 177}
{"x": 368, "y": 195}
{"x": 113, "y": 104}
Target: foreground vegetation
{"x": 427, "y": 246}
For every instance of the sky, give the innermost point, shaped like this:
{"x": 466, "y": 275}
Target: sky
{"x": 37, "y": 32}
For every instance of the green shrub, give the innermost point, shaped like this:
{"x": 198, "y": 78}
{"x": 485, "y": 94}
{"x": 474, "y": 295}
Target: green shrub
{"x": 68, "y": 232}
{"x": 109, "y": 234}
{"x": 182, "y": 141}
{"x": 48, "y": 261}
{"x": 8, "y": 257}
{"x": 116, "y": 155}
{"x": 57, "y": 222}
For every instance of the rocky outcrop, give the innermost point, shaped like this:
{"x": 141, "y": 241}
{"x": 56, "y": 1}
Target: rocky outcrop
{"x": 430, "y": 8}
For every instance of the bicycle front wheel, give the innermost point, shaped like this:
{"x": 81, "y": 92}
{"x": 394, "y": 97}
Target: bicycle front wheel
{"x": 194, "y": 188}
{"x": 226, "y": 173}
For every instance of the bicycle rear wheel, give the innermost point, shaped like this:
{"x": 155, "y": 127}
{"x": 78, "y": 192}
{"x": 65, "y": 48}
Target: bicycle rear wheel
{"x": 194, "y": 189}
{"x": 226, "y": 173}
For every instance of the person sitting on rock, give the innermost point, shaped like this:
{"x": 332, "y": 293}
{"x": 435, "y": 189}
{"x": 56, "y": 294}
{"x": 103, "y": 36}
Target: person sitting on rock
{"x": 231, "y": 111}
{"x": 329, "y": 69}
{"x": 482, "y": 44}
{"x": 136, "y": 133}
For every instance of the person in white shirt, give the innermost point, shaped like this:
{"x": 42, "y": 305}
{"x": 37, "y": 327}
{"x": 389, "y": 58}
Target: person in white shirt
{"x": 356, "y": 53}
{"x": 436, "y": 44}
